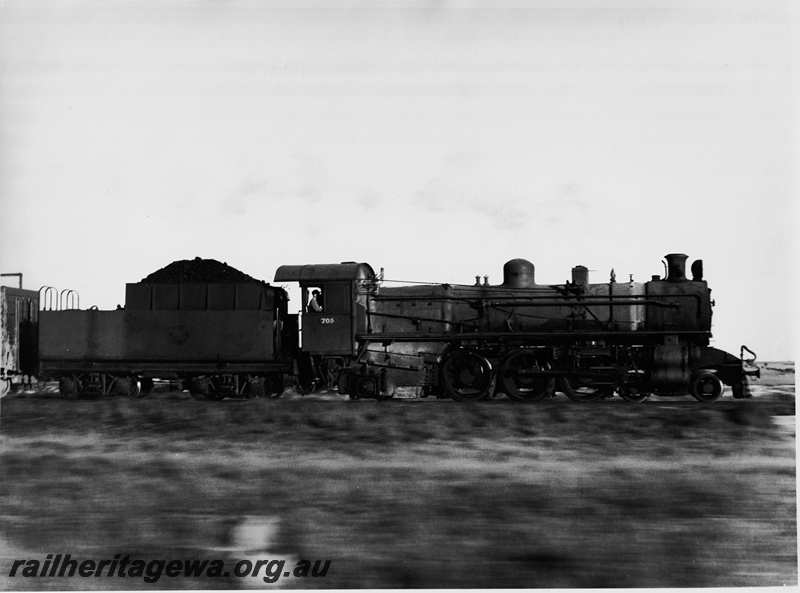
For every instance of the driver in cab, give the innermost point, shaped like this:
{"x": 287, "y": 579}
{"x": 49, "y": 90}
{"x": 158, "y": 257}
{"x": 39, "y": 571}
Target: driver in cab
{"x": 315, "y": 304}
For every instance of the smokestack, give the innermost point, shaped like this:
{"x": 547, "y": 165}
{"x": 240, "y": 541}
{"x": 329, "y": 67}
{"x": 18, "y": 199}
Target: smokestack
{"x": 676, "y": 267}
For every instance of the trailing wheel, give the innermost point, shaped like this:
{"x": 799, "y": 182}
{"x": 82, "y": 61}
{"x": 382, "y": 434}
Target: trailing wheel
{"x": 466, "y": 376}
{"x": 310, "y": 374}
{"x": 343, "y": 382}
{"x": 521, "y": 379}
{"x": 631, "y": 393}
{"x": 705, "y": 386}
{"x": 126, "y": 387}
{"x": 634, "y": 390}
{"x": 274, "y": 385}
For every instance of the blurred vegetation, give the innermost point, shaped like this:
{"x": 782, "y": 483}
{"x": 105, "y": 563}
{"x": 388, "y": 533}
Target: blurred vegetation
{"x": 407, "y": 493}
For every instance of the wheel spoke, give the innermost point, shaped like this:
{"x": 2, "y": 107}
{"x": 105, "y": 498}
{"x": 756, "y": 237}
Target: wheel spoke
{"x": 634, "y": 389}
{"x": 581, "y": 388}
{"x": 705, "y": 386}
{"x": 520, "y": 377}
{"x": 466, "y": 376}
{"x": 199, "y": 387}
{"x": 633, "y": 394}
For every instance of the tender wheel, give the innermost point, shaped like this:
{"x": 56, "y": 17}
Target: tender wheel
{"x": 126, "y": 387}
{"x": 256, "y": 387}
{"x": 519, "y": 378}
{"x": 706, "y": 387}
{"x": 466, "y": 376}
{"x": 135, "y": 388}
{"x": 147, "y": 386}
{"x": 222, "y": 386}
{"x": 93, "y": 386}
{"x": 69, "y": 387}
{"x": 200, "y": 388}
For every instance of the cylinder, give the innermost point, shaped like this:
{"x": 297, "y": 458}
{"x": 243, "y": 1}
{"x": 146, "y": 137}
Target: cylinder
{"x": 676, "y": 267}
{"x": 671, "y": 367}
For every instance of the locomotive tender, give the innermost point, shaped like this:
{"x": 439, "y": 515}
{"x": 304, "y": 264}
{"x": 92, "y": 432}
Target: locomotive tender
{"x": 368, "y": 339}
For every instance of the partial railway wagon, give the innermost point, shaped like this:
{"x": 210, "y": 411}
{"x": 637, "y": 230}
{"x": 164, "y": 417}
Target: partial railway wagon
{"x": 370, "y": 339}
{"x": 19, "y": 313}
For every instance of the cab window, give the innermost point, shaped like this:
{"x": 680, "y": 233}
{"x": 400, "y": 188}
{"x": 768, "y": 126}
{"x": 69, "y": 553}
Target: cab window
{"x": 314, "y": 299}
{"x": 336, "y": 298}
{"x": 328, "y": 299}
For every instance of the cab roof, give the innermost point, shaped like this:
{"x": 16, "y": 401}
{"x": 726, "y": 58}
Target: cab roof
{"x": 318, "y": 273}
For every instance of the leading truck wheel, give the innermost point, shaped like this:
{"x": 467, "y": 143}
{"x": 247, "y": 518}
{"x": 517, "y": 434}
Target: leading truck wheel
{"x": 705, "y": 387}
{"x": 466, "y": 376}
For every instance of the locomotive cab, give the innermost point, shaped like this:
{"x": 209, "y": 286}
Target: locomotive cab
{"x": 334, "y": 305}
{"x": 334, "y": 312}
{"x": 327, "y": 318}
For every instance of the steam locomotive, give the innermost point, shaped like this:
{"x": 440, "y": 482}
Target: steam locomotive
{"x": 369, "y": 339}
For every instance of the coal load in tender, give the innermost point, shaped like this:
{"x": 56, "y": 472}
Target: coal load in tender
{"x": 198, "y": 270}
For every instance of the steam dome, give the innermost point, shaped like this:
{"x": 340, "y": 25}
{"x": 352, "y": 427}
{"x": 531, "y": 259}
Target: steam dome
{"x": 519, "y": 273}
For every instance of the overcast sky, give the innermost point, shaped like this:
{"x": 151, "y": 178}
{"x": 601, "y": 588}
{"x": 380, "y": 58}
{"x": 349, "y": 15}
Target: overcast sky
{"x": 437, "y": 140}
